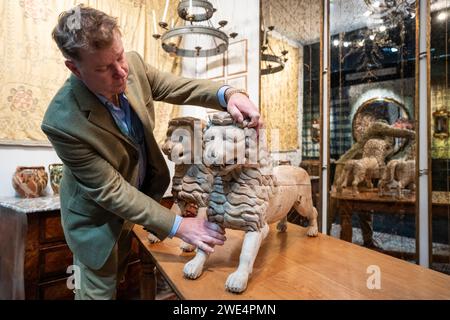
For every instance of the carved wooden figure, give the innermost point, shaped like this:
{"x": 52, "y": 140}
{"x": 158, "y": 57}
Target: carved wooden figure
{"x": 356, "y": 171}
{"x": 246, "y": 193}
{"x": 401, "y": 171}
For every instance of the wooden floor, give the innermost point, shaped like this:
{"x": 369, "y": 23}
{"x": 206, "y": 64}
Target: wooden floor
{"x": 293, "y": 266}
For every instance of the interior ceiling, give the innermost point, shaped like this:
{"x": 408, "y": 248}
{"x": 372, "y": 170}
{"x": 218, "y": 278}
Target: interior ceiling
{"x": 300, "y": 20}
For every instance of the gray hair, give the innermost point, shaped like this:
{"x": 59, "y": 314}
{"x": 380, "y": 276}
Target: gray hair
{"x": 84, "y": 28}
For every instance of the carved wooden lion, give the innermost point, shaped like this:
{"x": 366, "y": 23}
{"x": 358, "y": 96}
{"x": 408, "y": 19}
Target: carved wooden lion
{"x": 403, "y": 172}
{"x": 356, "y": 171}
{"x": 246, "y": 193}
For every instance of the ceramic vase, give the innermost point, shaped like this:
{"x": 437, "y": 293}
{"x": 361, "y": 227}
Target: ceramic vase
{"x": 55, "y": 170}
{"x": 30, "y": 182}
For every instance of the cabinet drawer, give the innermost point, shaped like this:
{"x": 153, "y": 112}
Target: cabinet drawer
{"x": 53, "y": 261}
{"x": 55, "y": 290}
{"x": 50, "y": 229}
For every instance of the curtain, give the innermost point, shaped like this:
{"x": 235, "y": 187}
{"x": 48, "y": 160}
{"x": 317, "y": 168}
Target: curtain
{"x": 32, "y": 68}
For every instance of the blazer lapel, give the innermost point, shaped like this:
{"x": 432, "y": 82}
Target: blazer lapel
{"x": 154, "y": 155}
{"x": 98, "y": 114}
{"x": 137, "y": 104}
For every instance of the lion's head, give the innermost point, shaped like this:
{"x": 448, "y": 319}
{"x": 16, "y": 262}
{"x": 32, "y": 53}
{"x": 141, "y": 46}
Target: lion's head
{"x": 192, "y": 181}
{"x": 180, "y": 144}
{"x": 228, "y": 145}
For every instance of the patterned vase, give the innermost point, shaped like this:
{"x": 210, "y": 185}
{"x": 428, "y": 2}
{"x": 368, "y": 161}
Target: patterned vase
{"x": 55, "y": 170}
{"x": 30, "y": 182}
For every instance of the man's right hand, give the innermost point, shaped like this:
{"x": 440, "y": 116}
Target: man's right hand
{"x": 201, "y": 233}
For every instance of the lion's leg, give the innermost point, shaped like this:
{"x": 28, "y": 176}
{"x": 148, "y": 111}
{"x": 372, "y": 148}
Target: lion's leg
{"x": 282, "y": 225}
{"x": 152, "y": 238}
{"x": 342, "y": 180}
{"x": 194, "y": 268}
{"x": 237, "y": 281}
{"x": 186, "y": 247}
{"x": 369, "y": 182}
{"x": 399, "y": 189}
{"x": 359, "y": 175}
{"x": 304, "y": 206}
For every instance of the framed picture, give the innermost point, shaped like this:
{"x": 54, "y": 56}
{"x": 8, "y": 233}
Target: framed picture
{"x": 239, "y": 82}
{"x": 215, "y": 66}
{"x": 237, "y": 57}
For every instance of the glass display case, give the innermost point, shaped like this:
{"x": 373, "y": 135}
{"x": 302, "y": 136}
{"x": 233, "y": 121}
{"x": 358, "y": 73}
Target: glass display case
{"x": 291, "y": 37}
{"x": 372, "y": 108}
{"x": 439, "y": 103}
{"x": 362, "y": 125}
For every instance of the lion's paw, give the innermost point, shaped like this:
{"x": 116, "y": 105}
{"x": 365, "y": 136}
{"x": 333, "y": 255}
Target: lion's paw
{"x": 312, "y": 231}
{"x": 186, "y": 247}
{"x": 237, "y": 282}
{"x": 152, "y": 238}
{"x": 193, "y": 269}
{"x": 282, "y": 226}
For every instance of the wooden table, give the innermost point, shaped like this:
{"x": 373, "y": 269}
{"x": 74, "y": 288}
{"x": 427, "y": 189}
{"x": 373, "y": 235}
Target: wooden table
{"x": 290, "y": 266}
{"x": 346, "y": 203}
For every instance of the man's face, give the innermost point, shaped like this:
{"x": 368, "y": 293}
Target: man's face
{"x": 103, "y": 71}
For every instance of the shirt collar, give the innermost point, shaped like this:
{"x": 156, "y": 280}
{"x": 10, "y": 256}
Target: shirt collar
{"x": 107, "y": 102}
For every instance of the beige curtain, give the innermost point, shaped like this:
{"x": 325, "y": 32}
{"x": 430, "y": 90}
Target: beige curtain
{"x": 279, "y": 98}
{"x": 32, "y": 68}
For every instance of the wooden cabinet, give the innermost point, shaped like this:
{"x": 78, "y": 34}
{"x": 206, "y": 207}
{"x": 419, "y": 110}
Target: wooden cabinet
{"x": 35, "y": 228}
{"x": 47, "y": 257}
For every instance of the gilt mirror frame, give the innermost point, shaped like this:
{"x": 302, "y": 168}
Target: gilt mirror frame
{"x": 379, "y": 109}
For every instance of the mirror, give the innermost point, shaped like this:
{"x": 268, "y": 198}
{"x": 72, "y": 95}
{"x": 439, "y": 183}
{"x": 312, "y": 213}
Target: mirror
{"x": 372, "y": 49}
{"x": 388, "y": 110}
{"x": 291, "y": 85}
{"x": 370, "y": 111}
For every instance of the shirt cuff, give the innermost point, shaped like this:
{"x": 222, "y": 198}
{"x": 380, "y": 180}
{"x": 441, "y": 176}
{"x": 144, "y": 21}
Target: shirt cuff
{"x": 221, "y": 96}
{"x": 175, "y": 226}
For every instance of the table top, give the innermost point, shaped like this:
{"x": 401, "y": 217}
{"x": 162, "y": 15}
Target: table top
{"x": 293, "y": 266}
{"x": 30, "y": 205}
{"x": 372, "y": 196}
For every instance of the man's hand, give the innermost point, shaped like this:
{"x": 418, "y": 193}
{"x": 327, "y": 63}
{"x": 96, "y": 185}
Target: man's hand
{"x": 201, "y": 233}
{"x": 240, "y": 107}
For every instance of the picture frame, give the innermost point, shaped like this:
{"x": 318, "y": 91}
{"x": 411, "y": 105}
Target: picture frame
{"x": 220, "y": 80}
{"x": 237, "y": 57}
{"x": 440, "y": 120}
{"x": 239, "y": 82}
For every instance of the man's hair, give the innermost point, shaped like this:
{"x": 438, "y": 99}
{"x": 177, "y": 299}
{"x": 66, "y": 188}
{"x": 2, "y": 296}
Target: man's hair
{"x": 84, "y": 28}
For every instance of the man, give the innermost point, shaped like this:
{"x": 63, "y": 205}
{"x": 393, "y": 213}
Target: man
{"x": 100, "y": 124}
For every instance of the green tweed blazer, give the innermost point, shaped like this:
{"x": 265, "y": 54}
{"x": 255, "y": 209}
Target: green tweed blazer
{"x": 101, "y": 165}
